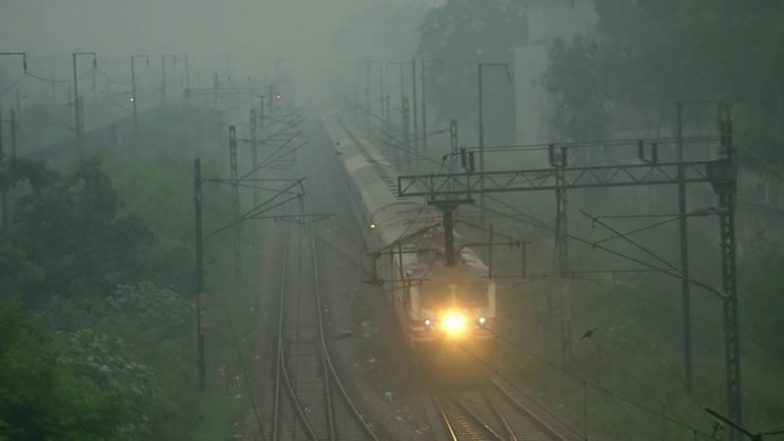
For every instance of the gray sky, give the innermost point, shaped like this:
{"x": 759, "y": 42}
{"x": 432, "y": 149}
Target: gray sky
{"x": 282, "y": 27}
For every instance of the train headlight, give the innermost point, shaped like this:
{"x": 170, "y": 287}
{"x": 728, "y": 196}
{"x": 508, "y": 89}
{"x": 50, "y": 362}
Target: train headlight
{"x": 428, "y": 323}
{"x": 454, "y": 323}
{"x": 482, "y": 320}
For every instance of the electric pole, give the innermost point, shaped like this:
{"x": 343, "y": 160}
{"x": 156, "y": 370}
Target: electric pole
{"x": 3, "y": 194}
{"x": 367, "y": 95}
{"x": 482, "y": 205}
{"x": 254, "y": 158}
{"x": 727, "y": 193}
{"x": 721, "y": 173}
{"x": 187, "y": 73}
{"x": 381, "y": 105}
{"x": 424, "y": 111}
{"x": 77, "y": 101}
{"x": 199, "y": 241}
{"x": 388, "y": 106}
{"x": 12, "y": 123}
{"x": 134, "y": 97}
{"x": 414, "y": 98}
{"x": 559, "y": 162}
{"x": 18, "y": 105}
{"x": 235, "y": 195}
{"x": 401, "y": 64}
{"x": 684, "y": 256}
{"x": 163, "y": 75}
{"x": 407, "y": 133}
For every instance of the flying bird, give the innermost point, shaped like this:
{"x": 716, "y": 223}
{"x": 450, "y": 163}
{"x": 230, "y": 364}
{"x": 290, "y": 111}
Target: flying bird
{"x": 588, "y": 333}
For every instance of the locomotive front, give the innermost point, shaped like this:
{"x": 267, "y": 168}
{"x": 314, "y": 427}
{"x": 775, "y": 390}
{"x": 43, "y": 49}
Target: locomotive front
{"x": 452, "y": 319}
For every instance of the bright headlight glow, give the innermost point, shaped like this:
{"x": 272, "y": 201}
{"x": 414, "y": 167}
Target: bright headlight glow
{"x": 454, "y": 323}
{"x": 482, "y": 320}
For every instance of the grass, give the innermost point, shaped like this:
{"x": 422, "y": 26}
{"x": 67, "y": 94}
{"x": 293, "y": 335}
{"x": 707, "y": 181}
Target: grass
{"x": 153, "y": 177}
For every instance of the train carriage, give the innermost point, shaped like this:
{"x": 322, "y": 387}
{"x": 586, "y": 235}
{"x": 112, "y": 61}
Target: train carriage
{"x": 445, "y": 312}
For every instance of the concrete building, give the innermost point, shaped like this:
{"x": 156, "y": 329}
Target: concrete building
{"x": 547, "y": 20}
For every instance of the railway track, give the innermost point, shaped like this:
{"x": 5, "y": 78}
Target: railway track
{"x": 489, "y": 412}
{"x": 310, "y": 401}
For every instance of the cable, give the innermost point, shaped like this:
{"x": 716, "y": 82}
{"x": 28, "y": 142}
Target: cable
{"x": 540, "y": 358}
{"x": 47, "y": 80}
{"x": 112, "y": 80}
{"x": 10, "y": 86}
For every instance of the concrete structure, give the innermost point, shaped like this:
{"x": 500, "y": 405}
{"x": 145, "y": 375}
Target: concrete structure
{"x": 547, "y": 21}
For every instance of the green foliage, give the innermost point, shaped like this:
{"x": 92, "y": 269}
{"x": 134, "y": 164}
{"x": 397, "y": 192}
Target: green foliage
{"x": 687, "y": 49}
{"x": 41, "y": 397}
{"x": 461, "y": 34}
{"x": 72, "y": 229}
{"x": 663, "y": 51}
{"x": 578, "y": 80}
{"x": 762, "y": 285}
{"x": 18, "y": 274}
{"x": 382, "y": 31}
{"x": 136, "y": 342}
{"x": 473, "y": 30}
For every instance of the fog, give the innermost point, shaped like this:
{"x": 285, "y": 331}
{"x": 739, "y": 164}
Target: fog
{"x": 264, "y": 29}
{"x": 390, "y": 219}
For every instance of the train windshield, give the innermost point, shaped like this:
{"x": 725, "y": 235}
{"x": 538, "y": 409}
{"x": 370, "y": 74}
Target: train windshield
{"x": 464, "y": 295}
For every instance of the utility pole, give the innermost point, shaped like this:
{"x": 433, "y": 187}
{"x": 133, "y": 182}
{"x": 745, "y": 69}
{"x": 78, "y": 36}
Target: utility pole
{"x": 163, "y": 74}
{"x": 163, "y": 79}
{"x": 261, "y": 111}
{"x": 453, "y": 145}
{"x": 54, "y": 90}
{"x": 3, "y": 194}
{"x": 187, "y": 73}
{"x": 215, "y": 94}
{"x": 453, "y": 148}
{"x": 407, "y": 133}
{"x": 482, "y": 204}
{"x": 424, "y": 111}
{"x": 559, "y": 162}
{"x": 200, "y": 346}
{"x": 721, "y": 173}
{"x": 388, "y": 111}
{"x": 93, "y": 88}
{"x": 134, "y": 97}
{"x": 271, "y": 97}
{"x": 356, "y": 98}
{"x": 684, "y": 257}
{"x": 414, "y": 97}
{"x": 18, "y": 105}
{"x": 13, "y": 133}
{"x": 381, "y": 87}
{"x": 727, "y": 193}
{"x": 235, "y": 196}
{"x": 77, "y": 101}
{"x": 254, "y": 158}
{"x": 367, "y": 95}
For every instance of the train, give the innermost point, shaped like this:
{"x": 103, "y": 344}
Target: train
{"x": 446, "y": 312}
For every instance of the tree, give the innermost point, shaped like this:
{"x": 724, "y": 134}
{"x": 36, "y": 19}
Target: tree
{"x": 71, "y": 227}
{"x": 461, "y": 34}
{"x": 577, "y": 79}
{"x": 686, "y": 50}
{"x": 40, "y": 397}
